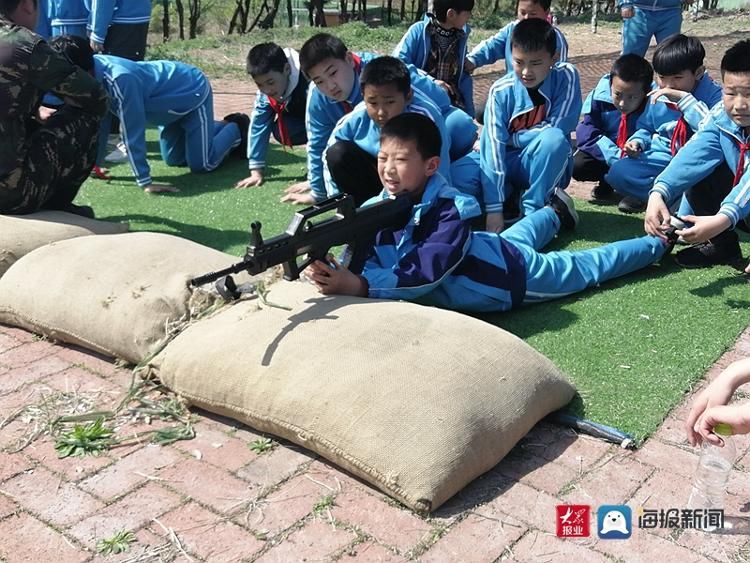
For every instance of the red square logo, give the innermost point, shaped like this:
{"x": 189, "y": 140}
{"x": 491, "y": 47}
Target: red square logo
{"x": 572, "y": 520}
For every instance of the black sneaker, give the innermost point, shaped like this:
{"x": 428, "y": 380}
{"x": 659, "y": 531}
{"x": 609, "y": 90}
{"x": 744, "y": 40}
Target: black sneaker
{"x": 243, "y": 122}
{"x": 82, "y": 210}
{"x": 563, "y": 205}
{"x": 707, "y": 254}
{"x": 630, "y": 204}
{"x": 603, "y": 194}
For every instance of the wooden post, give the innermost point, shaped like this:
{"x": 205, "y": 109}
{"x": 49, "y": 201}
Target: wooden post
{"x": 594, "y": 16}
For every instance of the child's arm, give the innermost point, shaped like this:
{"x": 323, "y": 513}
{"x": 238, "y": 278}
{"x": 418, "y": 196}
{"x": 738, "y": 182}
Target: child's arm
{"x": 564, "y": 111}
{"x": 128, "y": 99}
{"x": 737, "y": 416}
{"x": 319, "y": 128}
{"x": 492, "y": 143}
{"x": 490, "y": 50}
{"x": 692, "y": 109}
{"x": 718, "y": 393}
{"x": 406, "y": 50}
{"x": 736, "y": 204}
{"x": 102, "y": 12}
{"x": 331, "y": 278}
{"x": 591, "y": 138}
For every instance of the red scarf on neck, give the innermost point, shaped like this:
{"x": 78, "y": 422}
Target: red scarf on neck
{"x": 680, "y": 133}
{"x": 357, "y": 68}
{"x": 622, "y": 133}
{"x": 744, "y": 147}
{"x": 278, "y": 108}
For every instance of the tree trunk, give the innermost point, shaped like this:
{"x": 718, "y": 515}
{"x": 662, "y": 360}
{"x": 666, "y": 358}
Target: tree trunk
{"x": 390, "y": 12}
{"x": 193, "y": 17}
{"x": 289, "y": 14}
{"x": 403, "y": 9}
{"x": 267, "y": 22}
{"x": 263, "y": 8}
{"x": 180, "y": 17}
{"x": 165, "y": 20}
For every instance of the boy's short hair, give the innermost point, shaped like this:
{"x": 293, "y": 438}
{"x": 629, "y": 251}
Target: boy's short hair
{"x": 319, "y": 48}
{"x": 76, "y": 48}
{"x": 386, "y": 70}
{"x": 678, "y": 53}
{"x": 264, "y": 58}
{"x": 633, "y": 68}
{"x": 440, "y": 7}
{"x": 534, "y": 34}
{"x": 737, "y": 58}
{"x": 414, "y": 127}
{"x": 545, "y": 4}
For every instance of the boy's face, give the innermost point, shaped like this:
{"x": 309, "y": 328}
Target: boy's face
{"x": 456, "y": 20}
{"x": 684, "y": 80}
{"x": 384, "y": 102}
{"x": 736, "y": 97}
{"x": 402, "y": 169}
{"x": 528, "y": 9}
{"x": 273, "y": 84}
{"x": 531, "y": 67}
{"x": 627, "y": 96}
{"x": 334, "y": 77}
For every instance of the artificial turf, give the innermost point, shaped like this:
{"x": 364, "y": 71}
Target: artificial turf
{"x": 632, "y": 347}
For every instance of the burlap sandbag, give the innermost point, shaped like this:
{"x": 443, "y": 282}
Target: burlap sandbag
{"x": 416, "y": 400}
{"x": 121, "y": 295}
{"x": 20, "y": 234}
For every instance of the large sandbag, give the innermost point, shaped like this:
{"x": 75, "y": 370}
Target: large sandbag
{"x": 416, "y": 400}
{"x": 20, "y": 234}
{"x": 121, "y": 295}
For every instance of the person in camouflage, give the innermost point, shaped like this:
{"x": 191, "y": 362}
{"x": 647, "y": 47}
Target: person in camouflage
{"x": 44, "y": 156}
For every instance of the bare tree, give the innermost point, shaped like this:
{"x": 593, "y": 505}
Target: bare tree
{"x": 165, "y": 20}
{"x": 180, "y": 17}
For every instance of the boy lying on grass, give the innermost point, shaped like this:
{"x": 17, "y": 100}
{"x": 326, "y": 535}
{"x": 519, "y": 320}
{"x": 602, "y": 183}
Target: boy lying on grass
{"x": 437, "y": 259}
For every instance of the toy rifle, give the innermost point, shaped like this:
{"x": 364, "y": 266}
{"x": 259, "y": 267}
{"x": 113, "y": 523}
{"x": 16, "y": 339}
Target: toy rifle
{"x": 350, "y": 225}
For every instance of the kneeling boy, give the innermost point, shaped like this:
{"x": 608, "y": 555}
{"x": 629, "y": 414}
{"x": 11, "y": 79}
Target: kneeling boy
{"x": 437, "y": 259}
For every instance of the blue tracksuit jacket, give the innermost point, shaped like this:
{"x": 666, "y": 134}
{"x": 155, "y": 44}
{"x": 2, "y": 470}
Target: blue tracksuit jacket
{"x": 365, "y": 133}
{"x": 151, "y": 92}
{"x": 67, "y": 17}
{"x": 597, "y": 133}
{"x": 437, "y": 259}
{"x": 717, "y": 141}
{"x": 323, "y": 113}
{"x": 509, "y": 99}
{"x": 263, "y": 117}
{"x": 414, "y": 48}
{"x": 499, "y": 47}
{"x": 106, "y": 12}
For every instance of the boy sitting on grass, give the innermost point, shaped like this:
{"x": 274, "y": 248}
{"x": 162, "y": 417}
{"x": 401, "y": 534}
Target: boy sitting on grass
{"x": 610, "y": 113}
{"x": 438, "y": 45}
{"x": 437, "y": 259}
{"x": 712, "y": 169}
{"x": 279, "y": 105}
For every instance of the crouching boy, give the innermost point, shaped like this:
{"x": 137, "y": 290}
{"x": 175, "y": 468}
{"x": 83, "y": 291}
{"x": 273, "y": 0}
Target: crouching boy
{"x": 437, "y": 259}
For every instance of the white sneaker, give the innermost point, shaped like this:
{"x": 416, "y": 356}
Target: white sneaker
{"x": 120, "y": 154}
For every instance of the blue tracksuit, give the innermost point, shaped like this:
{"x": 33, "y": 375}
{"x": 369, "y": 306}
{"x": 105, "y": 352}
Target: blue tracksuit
{"x": 659, "y": 18}
{"x": 365, "y": 133}
{"x": 264, "y": 121}
{"x": 175, "y": 96}
{"x": 655, "y": 129}
{"x": 437, "y": 259}
{"x": 414, "y": 48}
{"x": 718, "y": 141}
{"x": 67, "y": 17}
{"x": 107, "y": 12}
{"x": 499, "y": 47}
{"x": 323, "y": 113}
{"x": 43, "y": 24}
{"x": 597, "y": 133}
{"x": 523, "y": 147}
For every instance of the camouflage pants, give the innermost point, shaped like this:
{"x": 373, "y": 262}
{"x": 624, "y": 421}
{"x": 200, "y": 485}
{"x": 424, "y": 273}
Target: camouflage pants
{"x": 59, "y": 156}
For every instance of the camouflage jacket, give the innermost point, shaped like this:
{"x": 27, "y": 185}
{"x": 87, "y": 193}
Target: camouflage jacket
{"x": 28, "y": 69}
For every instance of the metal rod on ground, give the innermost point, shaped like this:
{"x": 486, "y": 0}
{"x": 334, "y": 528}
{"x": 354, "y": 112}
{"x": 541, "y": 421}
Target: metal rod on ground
{"x": 591, "y": 428}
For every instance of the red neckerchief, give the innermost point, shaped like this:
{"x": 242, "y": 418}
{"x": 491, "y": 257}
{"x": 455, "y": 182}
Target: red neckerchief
{"x": 744, "y": 147}
{"x": 622, "y": 133}
{"x": 357, "y": 67}
{"x": 680, "y": 133}
{"x": 278, "y": 108}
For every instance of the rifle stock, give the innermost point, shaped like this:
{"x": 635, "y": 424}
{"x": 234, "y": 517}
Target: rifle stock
{"x": 305, "y": 237}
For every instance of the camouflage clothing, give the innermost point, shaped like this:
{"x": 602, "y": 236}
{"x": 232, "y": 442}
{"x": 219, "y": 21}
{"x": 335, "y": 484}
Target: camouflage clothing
{"x": 42, "y": 164}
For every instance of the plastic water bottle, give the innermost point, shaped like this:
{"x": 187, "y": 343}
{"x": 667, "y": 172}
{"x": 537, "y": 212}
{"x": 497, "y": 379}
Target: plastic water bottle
{"x": 712, "y": 475}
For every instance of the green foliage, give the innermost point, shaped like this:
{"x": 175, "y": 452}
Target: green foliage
{"x": 119, "y": 543}
{"x": 91, "y": 439}
{"x": 262, "y": 445}
{"x": 323, "y": 504}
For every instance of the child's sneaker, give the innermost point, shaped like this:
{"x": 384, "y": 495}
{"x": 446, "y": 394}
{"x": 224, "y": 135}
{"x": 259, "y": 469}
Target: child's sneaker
{"x": 630, "y": 204}
{"x": 563, "y": 205}
{"x": 708, "y": 254}
{"x": 119, "y": 154}
{"x": 242, "y": 121}
{"x": 603, "y": 194}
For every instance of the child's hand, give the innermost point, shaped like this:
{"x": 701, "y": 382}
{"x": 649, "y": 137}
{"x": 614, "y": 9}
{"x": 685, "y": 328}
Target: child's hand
{"x": 670, "y": 93}
{"x": 657, "y": 216}
{"x": 704, "y": 227}
{"x": 495, "y": 222}
{"x": 737, "y": 416}
{"x": 332, "y": 278}
{"x": 160, "y": 188}
{"x": 633, "y": 149}
{"x": 96, "y": 46}
{"x": 627, "y": 12}
{"x": 299, "y": 193}
{"x": 469, "y": 66}
{"x": 255, "y": 179}
{"x": 445, "y": 86}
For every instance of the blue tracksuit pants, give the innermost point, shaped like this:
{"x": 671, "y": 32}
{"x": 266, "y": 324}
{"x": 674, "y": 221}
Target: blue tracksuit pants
{"x": 79, "y": 30}
{"x": 635, "y": 176}
{"x": 197, "y": 140}
{"x": 543, "y": 164}
{"x": 557, "y": 274}
{"x": 638, "y": 30}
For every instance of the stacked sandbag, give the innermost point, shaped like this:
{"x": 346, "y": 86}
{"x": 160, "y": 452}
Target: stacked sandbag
{"x": 20, "y": 234}
{"x": 417, "y": 401}
{"x": 121, "y": 295}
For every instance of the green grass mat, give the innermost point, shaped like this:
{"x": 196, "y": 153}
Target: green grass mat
{"x": 632, "y": 347}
